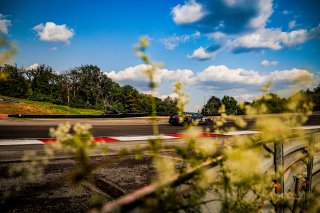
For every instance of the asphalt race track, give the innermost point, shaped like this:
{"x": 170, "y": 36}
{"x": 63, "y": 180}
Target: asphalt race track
{"x": 41, "y": 131}
{"x": 53, "y": 193}
{"x": 19, "y": 129}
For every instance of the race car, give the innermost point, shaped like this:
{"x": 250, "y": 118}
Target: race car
{"x": 189, "y": 118}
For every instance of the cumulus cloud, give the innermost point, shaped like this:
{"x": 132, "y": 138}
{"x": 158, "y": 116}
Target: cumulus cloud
{"x": 220, "y": 79}
{"x": 174, "y": 41}
{"x": 4, "y": 24}
{"x": 217, "y": 35}
{"x": 201, "y": 54}
{"x": 224, "y": 15}
{"x": 134, "y": 76}
{"x": 187, "y": 13}
{"x": 33, "y": 66}
{"x": 267, "y": 63}
{"x": 223, "y": 78}
{"x": 52, "y": 32}
{"x": 240, "y": 25}
{"x": 292, "y": 24}
{"x": 172, "y": 95}
{"x": 273, "y": 39}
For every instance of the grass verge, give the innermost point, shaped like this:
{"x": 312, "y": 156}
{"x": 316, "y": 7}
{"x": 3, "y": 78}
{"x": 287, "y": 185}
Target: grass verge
{"x": 41, "y": 108}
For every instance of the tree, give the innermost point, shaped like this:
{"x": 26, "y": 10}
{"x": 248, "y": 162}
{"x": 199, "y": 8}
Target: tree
{"x": 132, "y": 100}
{"x": 273, "y": 103}
{"x": 41, "y": 82}
{"x": 170, "y": 105}
{"x": 66, "y": 88}
{"x": 231, "y": 105}
{"x": 212, "y": 106}
{"x": 15, "y": 84}
{"x": 316, "y": 98}
{"x": 89, "y": 84}
{"x": 111, "y": 93}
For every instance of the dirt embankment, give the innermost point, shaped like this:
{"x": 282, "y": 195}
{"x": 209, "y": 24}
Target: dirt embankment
{"x": 54, "y": 193}
{"x": 24, "y": 108}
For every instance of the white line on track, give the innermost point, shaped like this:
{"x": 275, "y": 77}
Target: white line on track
{"x": 8, "y": 142}
{"x": 241, "y": 133}
{"x": 141, "y": 138}
{"x": 19, "y": 142}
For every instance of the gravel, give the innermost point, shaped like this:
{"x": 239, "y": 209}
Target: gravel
{"x": 54, "y": 193}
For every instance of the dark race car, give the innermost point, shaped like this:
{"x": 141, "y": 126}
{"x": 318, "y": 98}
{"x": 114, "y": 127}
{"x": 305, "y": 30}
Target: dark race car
{"x": 189, "y": 118}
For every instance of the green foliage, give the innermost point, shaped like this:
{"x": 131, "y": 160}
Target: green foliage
{"x": 15, "y": 84}
{"x": 7, "y": 50}
{"x": 315, "y": 96}
{"x": 131, "y": 99}
{"x": 81, "y": 145}
{"x": 273, "y": 103}
{"x": 212, "y": 106}
{"x": 228, "y": 171}
{"x": 268, "y": 103}
{"x": 231, "y": 105}
{"x": 81, "y": 87}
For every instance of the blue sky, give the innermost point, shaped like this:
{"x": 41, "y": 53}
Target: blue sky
{"x": 215, "y": 47}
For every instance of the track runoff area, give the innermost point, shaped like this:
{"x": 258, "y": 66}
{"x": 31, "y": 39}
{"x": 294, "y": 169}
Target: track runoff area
{"x": 14, "y": 142}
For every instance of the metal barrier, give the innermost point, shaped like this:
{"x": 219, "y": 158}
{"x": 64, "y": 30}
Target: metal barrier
{"x": 297, "y": 152}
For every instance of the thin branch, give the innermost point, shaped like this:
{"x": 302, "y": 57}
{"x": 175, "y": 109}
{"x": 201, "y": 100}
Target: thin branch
{"x": 134, "y": 199}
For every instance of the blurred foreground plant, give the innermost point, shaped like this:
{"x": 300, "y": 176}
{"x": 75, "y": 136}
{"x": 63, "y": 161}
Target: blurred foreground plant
{"x": 226, "y": 174}
{"x": 223, "y": 174}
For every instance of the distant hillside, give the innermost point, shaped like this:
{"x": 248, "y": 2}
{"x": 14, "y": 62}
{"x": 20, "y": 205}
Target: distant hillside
{"x": 82, "y": 87}
{"x": 35, "y": 107}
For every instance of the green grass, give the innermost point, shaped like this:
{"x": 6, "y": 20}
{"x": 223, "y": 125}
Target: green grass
{"x": 66, "y": 109}
{"x": 37, "y": 107}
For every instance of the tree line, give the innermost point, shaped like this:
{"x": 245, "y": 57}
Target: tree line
{"x": 88, "y": 87}
{"x": 272, "y": 101}
{"x": 83, "y": 87}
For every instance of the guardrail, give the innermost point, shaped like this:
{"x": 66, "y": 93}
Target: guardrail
{"x": 123, "y": 115}
{"x": 298, "y": 153}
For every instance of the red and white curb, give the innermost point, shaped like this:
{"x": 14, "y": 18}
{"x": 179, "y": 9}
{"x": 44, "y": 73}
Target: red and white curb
{"x": 10, "y": 142}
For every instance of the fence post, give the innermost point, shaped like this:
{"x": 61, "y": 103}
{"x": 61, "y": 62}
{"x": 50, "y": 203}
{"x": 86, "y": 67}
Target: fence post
{"x": 296, "y": 193}
{"x": 311, "y": 142}
{"x": 279, "y": 166}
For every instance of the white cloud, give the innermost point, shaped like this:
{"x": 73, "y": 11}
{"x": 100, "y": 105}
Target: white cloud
{"x": 174, "y": 41}
{"x": 51, "y": 32}
{"x": 220, "y": 79}
{"x": 223, "y": 74}
{"x": 201, "y": 54}
{"x": 267, "y": 63}
{"x": 223, "y": 78}
{"x": 53, "y": 48}
{"x": 134, "y": 76}
{"x": 265, "y": 38}
{"x": 4, "y": 24}
{"x": 245, "y": 97}
{"x": 292, "y": 24}
{"x": 273, "y": 39}
{"x": 172, "y": 95}
{"x": 188, "y": 13}
{"x": 294, "y": 37}
{"x": 133, "y": 73}
{"x": 33, "y": 66}
{"x": 265, "y": 11}
{"x": 217, "y": 35}
{"x": 208, "y": 16}
{"x": 219, "y": 20}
